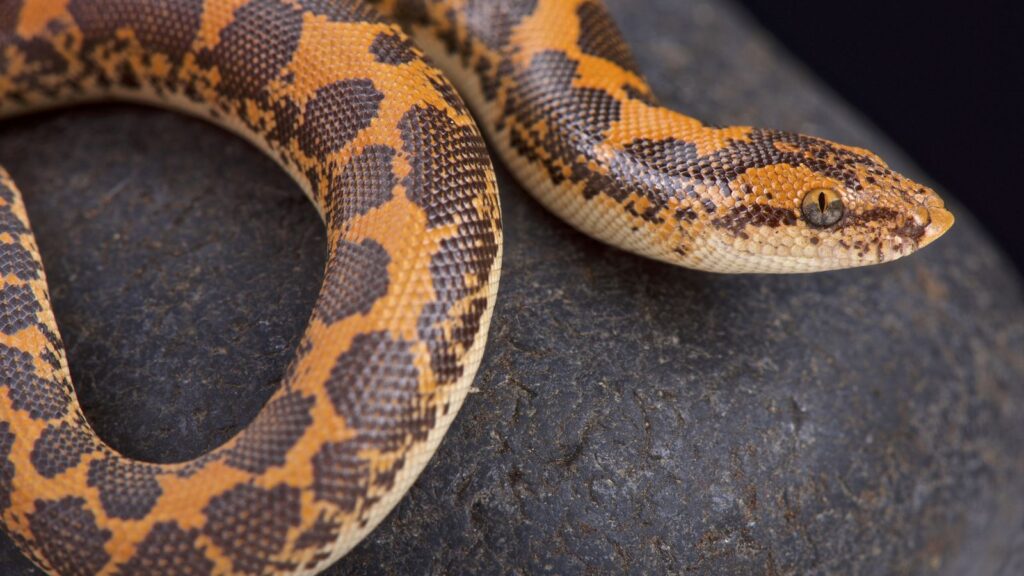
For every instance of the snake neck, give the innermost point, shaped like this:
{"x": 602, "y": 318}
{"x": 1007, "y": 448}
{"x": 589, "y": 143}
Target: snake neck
{"x": 575, "y": 121}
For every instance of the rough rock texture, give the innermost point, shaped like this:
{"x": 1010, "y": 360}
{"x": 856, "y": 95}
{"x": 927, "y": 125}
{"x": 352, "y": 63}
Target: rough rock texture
{"x": 630, "y": 417}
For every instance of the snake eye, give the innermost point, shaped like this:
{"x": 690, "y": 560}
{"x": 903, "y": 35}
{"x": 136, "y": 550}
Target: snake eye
{"x": 822, "y": 207}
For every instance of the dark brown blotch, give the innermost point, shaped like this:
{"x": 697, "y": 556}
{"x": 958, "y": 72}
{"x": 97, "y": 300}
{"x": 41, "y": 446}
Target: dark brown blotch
{"x": 392, "y": 48}
{"x": 165, "y": 26}
{"x": 321, "y": 537}
{"x": 286, "y": 120}
{"x": 18, "y": 308}
{"x": 555, "y": 123}
{"x": 9, "y": 12}
{"x": 48, "y": 68}
{"x": 67, "y": 536}
{"x": 374, "y": 386}
{"x": 877, "y": 215}
{"x": 9, "y": 221}
{"x": 740, "y": 216}
{"x": 600, "y": 37}
{"x": 340, "y": 476}
{"x": 7, "y": 192}
{"x": 490, "y": 82}
{"x": 911, "y": 230}
{"x": 356, "y": 278}
{"x": 272, "y": 434}
{"x": 127, "y": 489}
{"x": 448, "y": 93}
{"x": 411, "y": 11}
{"x": 324, "y": 532}
{"x": 41, "y": 398}
{"x": 60, "y": 448}
{"x": 7, "y": 468}
{"x": 451, "y": 168}
{"x": 16, "y": 260}
{"x": 645, "y": 96}
{"x": 493, "y": 22}
{"x": 448, "y": 336}
{"x": 544, "y": 92}
{"x": 250, "y": 524}
{"x": 336, "y": 114}
{"x": 366, "y": 182}
{"x": 169, "y": 551}
{"x": 270, "y": 29}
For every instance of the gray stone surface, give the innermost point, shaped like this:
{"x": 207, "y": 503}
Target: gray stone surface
{"x": 629, "y": 417}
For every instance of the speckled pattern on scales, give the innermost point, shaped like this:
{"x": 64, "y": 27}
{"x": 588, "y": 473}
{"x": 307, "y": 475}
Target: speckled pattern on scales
{"x": 380, "y": 142}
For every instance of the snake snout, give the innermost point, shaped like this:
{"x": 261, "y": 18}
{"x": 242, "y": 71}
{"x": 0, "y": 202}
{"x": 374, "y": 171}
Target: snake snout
{"x": 939, "y": 221}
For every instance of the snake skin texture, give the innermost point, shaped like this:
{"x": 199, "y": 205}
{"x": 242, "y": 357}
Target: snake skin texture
{"x": 340, "y": 94}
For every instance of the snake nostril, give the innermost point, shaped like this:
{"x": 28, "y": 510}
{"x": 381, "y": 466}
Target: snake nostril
{"x": 922, "y": 216}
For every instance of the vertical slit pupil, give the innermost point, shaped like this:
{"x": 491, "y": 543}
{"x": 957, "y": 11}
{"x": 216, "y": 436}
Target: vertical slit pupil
{"x": 821, "y": 201}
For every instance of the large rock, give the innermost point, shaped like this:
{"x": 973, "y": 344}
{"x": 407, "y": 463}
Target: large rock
{"x": 629, "y": 416}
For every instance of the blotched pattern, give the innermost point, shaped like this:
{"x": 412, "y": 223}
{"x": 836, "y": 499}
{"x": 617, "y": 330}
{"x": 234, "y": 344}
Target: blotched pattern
{"x": 327, "y": 88}
{"x": 559, "y": 94}
{"x": 271, "y": 436}
{"x": 60, "y": 448}
{"x": 251, "y": 524}
{"x": 382, "y": 144}
{"x": 170, "y": 551}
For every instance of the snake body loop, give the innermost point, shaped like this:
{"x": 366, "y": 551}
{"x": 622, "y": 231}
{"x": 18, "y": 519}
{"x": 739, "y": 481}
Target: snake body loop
{"x": 344, "y": 100}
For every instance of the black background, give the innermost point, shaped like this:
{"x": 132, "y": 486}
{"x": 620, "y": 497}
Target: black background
{"x": 944, "y": 79}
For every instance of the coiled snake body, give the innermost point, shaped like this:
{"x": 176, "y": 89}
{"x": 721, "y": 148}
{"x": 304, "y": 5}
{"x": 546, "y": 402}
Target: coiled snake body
{"x": 384, "y": 147}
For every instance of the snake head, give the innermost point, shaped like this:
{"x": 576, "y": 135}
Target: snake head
{"x": 812, "y": 205}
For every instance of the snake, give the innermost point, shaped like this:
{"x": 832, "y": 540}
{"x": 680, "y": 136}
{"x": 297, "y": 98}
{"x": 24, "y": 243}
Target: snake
{"x": 382, "y": 112}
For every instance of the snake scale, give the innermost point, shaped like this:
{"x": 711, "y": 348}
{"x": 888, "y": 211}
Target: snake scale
{"x": 341, "y": 95}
